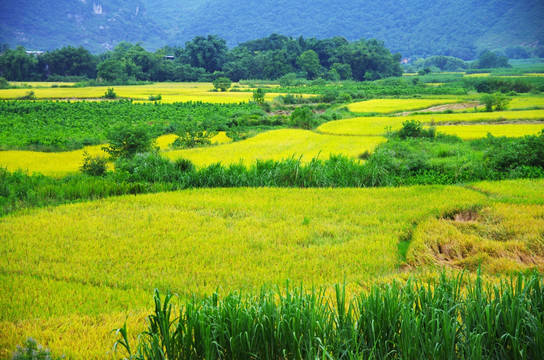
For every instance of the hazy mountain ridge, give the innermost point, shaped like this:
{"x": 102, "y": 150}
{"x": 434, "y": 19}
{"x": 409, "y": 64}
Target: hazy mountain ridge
{"x": 459, "y": 28}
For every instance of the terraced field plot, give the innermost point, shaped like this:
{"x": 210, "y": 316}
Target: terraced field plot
{"x": 385, "y": 106}
{"x": 476, "y": 131}
{"x": 278, "y": 145}
{"x": 366, "y": 126}
{"x": 170, "y": 92}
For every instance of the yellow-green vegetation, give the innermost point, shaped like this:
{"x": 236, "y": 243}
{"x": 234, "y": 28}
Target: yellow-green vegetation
{"x": 79, "y": 269}
{"x": 526, "y": 102}
{"x": 164, "y": 142}
{"x": 45, "y": 84}
{"x": 170, "y": 92}
{"x": 385, "y": 106}
{"x": 277, "y": 145}
{"x": 476, "y": 131}
{"x": 271, "y": 145}
{"x": 377, "y": 125}
{"x": 83, "y": 266}
{"x": 56, "y": 164}
{"x": 477, "y": 75}
{"x": 500, "y": 237}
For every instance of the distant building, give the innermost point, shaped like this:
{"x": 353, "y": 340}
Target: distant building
{"x": 169, "y": 57}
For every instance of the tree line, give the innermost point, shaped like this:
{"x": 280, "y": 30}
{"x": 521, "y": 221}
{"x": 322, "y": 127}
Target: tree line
{"x": 206, "y": 58}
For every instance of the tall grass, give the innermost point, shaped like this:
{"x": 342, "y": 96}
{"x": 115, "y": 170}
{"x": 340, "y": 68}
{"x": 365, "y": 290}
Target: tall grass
{"x": 450, "y": 318}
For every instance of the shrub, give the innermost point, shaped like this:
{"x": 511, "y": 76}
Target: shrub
{"x": 222, "y": 83}
{"x": 414, "y": 129}
{"x": 303, "y": 118}
{"x": 31, "y": 350}
{"x": 127, "y": 140}
{"x": 94, "y": 165}
{"x": 30, "y": 95}
{"x": 497, "y": 100}
{"x": 155, "y": 97}
{"x": 110, "y": 94}
{"x": 193, "y": 133}
{"x": 258, "y": 96}
{"x": 4, "y": 84}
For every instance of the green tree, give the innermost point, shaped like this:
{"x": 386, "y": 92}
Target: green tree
{"x": 222, "y": 83}
{"x": 68, "y": 61}
{"x": 497, "y": 100}
{"x": 308, "y": 62}
{"x": 194, "y": 132}
{"x": 208, "y": 53}
{"x": 125, "y": 141}
{"x": 258, "y": 95}
{"x": 17, "y": 65}
{"x": 111, "y": 70}
{"x": 303, "y": 118}
{"x": 492, "y": 59}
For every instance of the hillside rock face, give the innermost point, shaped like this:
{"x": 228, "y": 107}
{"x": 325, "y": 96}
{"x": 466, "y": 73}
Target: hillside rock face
{"x": 412, "y": 27}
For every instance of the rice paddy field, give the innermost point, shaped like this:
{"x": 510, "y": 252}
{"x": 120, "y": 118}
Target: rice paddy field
{"x": 69, "y": 274}
{"x": 279, "y": 145}
{"x": 170, "y": 92}
{"x": 384, "y": 106}
{"x": 475, "y": 131}
{"x": 71, "y": 281}
{"x": 379, "y": 125}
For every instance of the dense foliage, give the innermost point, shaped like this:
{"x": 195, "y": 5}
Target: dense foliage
{"x": 444, "y": 319}
{"x": 54, "y": 126}
{"x": 208, "y": 58}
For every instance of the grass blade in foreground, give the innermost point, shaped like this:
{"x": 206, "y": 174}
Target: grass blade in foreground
{"x": 450, "y": 318}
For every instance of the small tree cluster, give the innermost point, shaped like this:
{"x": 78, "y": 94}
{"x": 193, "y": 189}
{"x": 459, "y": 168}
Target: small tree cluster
{"x": 496, "y": 101}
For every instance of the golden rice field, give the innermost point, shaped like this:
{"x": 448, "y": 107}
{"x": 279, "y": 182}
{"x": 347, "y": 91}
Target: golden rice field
{"x": 278, "y": 145}
{"x": 55, "y": 164}
{"x": 475, "y": 131}
{"x": 384, "y": 106}
{"x": 170, "y": 92}
{"x": 81, "y": 269}
{"x": 271, "y": 145}
{"x": 364, "y": 126}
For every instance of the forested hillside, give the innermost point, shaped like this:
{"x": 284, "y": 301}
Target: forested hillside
{"x": 412, "y": 27}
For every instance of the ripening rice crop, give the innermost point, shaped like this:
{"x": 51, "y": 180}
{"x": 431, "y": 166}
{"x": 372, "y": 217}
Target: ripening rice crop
{"x": 477, "y": 131}
{"x": 526, "y": 102}
{"x": 170, "y": 92}
{"x": 385, "y": 106}
{"x": 77, "y": 270}
{"x": 56, "y": 164}
{"x": 377, "y": 125}
{"x": 278, "y": 145}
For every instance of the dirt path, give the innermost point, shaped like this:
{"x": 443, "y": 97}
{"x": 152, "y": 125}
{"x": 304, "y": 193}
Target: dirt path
{"x": 440, "y": 108}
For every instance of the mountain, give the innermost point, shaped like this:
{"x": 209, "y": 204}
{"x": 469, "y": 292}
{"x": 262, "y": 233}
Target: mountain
{"x": 95, "y": 25}
{"x": 412, "y": 27}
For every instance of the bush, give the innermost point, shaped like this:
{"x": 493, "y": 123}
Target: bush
{"x": 222, "y": 83}
{"x": 155, "y": 97}
{"x": 126, "y": 141}
{"x": 4, "y": 84}
{"x": 193, "y": 133}
{"x": 28, "y": 96}
{"x": 31, "y": 350}
{"x": 303, "y": 118}
{"x": 414, "y": 129}
{"x": 497, "y": 100}
{"x": 110, "y": 94}
{"x": 258, "y": 96}
{"x": 94, "y": 165}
